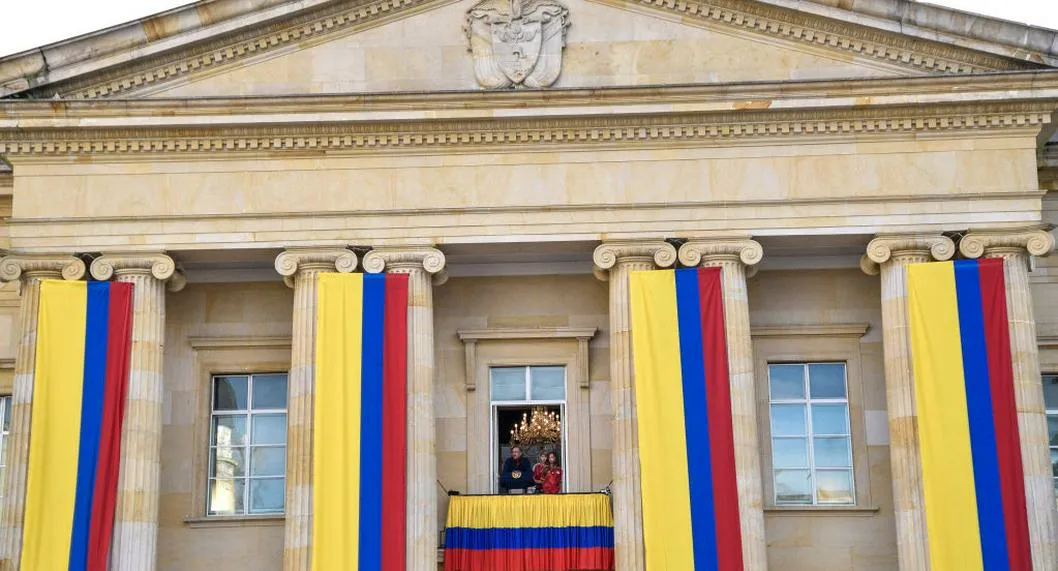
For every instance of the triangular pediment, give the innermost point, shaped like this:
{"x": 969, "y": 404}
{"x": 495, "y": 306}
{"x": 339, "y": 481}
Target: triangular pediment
{"x": 369, "y": 46}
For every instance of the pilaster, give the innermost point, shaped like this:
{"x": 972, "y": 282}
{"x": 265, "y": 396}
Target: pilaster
{"x": 890, "y": 256}
{"x": 614, "y": 262}
{"x": 424, "y": 267}
{"x": 135, "y": 543}
{"x": 300, "y": 268}
{"x": 736, "y": 257}
{"x": 29, "y": 270}
{"x": 1014, "y": 247}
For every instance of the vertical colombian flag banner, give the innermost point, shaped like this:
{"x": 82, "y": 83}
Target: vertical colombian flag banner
{"x": 972, "y": 477}
{"x": 359, "y": 498}
{"x": 82, "y": 370}
{"x": 683, "y": 397}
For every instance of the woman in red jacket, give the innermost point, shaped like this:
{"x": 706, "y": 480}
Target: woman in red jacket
{"x": 553, "y": 477}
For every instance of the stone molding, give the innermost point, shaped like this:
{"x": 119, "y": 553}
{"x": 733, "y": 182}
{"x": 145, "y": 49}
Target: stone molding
{"x": 426, "y": 258}
{"x": 240, "y": 342}
{"x": 700, "y": 128}
{"x": 159, "y": 266}
{"x": 883, "y": 248}
{"x": 1031, "y": 241}
{"x": 744, "y": 16}
{"x": 471, "y": 338}
{"x": 855, "y": 330}
{"x": 694, "y": 252}
{"x": 16, "y": 267}
{"x": 610, "y": 253}
{"x": 293, "y": 260}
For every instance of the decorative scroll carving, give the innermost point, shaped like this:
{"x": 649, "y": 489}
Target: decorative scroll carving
{"x": 398, "y": 257}
{"x": 16, "y": 266}
{"x": 1033, "y": 241}
{"x": 293, "y": 260}
{"x": 660, "y": 253}
{"x": 160, "y": 266}
{"x": 517, "y": 42}
{"x": 747, "y": 251}
{"x": 882, "y": 248}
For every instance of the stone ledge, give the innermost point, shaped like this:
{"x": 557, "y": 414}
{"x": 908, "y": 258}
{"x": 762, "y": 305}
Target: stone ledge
{"x": 236, "y": 342}
{"x": 828, "y": 330}
{"x": 801, "y": 511}
{"x": 235, "y": 521}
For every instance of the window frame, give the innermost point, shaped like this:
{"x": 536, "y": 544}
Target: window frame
{"x": 810, "y": 435}
{"x": 827, "y": 343}
{"x": 495, "y": 405}
{"x": 1048, "y": 413}
{"x": 248, "y": 413}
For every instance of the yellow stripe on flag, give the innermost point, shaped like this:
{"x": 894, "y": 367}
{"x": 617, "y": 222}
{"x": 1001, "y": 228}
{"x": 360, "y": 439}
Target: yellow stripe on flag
{"x": 943, "y": 421}
{"x": 662, "y": 438}
{"x": 336, "y": 442}
{"x": 55, "y": 426}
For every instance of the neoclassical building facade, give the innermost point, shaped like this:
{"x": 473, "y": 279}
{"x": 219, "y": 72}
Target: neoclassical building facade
{"x": 223, "y": 155}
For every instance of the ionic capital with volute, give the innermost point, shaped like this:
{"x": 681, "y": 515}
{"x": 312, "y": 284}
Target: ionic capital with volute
{"x": 22, "y": 266}
{"x": 403, "y": 259}
{"x": 710, "y": 250}
{"x": 294, "y": 260}
{"x": 907, "y": 248}
{"x": 654, "y": 253}
{"x": 1034, "y": 241}
{"x": 156, "y": 265}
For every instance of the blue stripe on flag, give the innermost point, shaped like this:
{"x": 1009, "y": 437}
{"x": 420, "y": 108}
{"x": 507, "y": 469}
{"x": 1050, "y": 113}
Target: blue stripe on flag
{"x": 95, "y": 366}
{"x": 371, "y": 423}
{"x": 982, "y": 425}
{"x": 699, "y": 463}
{"x": 528, "y": 538}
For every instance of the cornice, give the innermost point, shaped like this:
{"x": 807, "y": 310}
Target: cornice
{"x": 317, "y": 24}
{"x": 241, "y": 45}
{"x": 700, "y": 129}
{"x": 812, "y": 30}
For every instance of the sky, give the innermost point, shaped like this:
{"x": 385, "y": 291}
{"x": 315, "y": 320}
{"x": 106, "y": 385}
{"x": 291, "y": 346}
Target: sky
{"x": 26, "y": 24}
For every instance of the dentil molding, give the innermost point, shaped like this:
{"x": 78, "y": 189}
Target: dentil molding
{"x": 742, "y": 16}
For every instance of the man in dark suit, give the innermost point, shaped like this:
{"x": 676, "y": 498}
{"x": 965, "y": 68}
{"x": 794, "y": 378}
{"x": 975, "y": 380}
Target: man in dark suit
{"x": 517, "y": 474}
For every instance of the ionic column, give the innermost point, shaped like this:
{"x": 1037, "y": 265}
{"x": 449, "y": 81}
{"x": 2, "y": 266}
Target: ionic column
{"x": 301, "y": 268}
{"x": 615, "y": 261}
{"x": 890, "y": 256}
{"x": 424, "y": 267}
{"x": 1014, "y": 247}
{"x": 30, "y": 270}
{"x": 733, "y": 257}
{"x": 135, "y": 540}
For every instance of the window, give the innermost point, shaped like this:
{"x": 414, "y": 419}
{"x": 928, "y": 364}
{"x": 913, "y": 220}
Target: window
{"x": 533, "y": 397}
{"x": 5, "y": 431}
{"x": 811, "y": 439}
{"x": 248, "y": 444}
{"x": 1050, "y": 399}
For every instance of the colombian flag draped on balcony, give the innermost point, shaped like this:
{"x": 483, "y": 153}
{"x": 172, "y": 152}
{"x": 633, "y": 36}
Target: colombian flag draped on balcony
{"x": 82, "y": 370}
{"x": 359, "y": 499}
{"x": 686, "y": 446}
{"x": 972, "y": 475}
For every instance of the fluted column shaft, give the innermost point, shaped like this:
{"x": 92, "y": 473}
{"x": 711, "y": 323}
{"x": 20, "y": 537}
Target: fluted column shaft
{"x": 301, "y": 269}
{"x": 135, "y": 542}
{"x": 30, "y": 271}
{"x": 620, "y": 259}
{"x": 890, "y": 256}
{"x": 733, "y": 257}
{"x": 422, "y": 265}
{"x": 1014, "y": 248}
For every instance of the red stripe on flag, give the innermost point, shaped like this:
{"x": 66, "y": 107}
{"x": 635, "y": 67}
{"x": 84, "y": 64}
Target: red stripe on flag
{"x": 568, "y": 559}
{"x": 119, "y": 345}
{"x": 1004, "y": 410}
{"x": 394, "y": 421}
{"x": 721, "y": 434}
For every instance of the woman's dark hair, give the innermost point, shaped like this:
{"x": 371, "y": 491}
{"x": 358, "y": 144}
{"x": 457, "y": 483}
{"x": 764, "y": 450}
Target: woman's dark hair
{"x": 557, "y": 459}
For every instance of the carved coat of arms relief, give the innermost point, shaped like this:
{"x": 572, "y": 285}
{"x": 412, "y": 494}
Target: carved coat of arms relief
{"x": 517, "y": 42}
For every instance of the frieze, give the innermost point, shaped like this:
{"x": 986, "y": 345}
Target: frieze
{"x": 662, "y": 129}
{"x": 745, "y": 15}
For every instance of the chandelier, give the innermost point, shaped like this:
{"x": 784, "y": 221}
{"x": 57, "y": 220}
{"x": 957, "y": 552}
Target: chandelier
{"x": 540, "y": 426}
